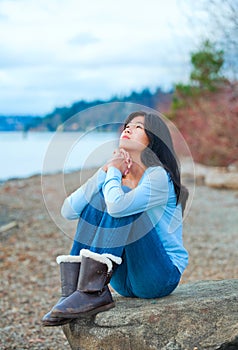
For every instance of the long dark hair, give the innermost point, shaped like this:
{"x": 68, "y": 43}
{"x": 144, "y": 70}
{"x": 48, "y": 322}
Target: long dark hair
{"x": 160, "y": 151}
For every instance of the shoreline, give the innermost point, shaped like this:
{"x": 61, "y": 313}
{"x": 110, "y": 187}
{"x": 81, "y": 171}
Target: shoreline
{"x": 39, "y": 174}
{"x": 190, "y": 171}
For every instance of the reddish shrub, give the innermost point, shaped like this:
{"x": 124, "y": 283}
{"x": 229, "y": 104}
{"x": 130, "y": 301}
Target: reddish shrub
{"x": 209, "y": 124}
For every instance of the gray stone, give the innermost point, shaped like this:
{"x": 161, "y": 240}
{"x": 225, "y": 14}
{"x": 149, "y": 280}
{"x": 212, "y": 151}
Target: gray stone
{"x": 216, "y": 177}
{"x": 222, "y": 179}
{"x": 200, "y": 315}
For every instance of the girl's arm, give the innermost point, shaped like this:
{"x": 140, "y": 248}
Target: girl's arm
{"x": 76, "y": 202}
{"x": 153, "y": 190}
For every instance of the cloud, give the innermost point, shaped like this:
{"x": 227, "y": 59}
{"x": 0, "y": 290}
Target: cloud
{"x": 83, "y": 39}
{"x": 3, "y": 17}
{"x": 56, "y": 52}
{"x": 14, "y": 57}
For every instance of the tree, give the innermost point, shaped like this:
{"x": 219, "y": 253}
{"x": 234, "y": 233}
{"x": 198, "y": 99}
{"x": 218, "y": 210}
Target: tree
{"x": 205, "y": 75}
{"x": 207, "y": 63}
{"x": 205, "y": 110}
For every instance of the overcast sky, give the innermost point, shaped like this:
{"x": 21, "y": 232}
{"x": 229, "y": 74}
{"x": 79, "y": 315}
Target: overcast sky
{"x": 56, "y": 52}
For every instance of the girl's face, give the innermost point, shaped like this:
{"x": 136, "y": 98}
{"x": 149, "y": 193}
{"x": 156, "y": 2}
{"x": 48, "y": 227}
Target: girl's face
{"x": 133, "y": 137}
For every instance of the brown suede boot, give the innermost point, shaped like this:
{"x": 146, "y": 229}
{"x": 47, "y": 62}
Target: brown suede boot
{"x": 93, "y": 294}
{"x": 69, "y": 274}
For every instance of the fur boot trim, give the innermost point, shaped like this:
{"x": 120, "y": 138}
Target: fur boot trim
{"x": 68, "y": 258}
{"x": 102, "y": 258}
{"x": 116, "y": 259}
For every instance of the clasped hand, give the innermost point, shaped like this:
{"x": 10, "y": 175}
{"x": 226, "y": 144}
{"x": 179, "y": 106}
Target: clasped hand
{"x": 120, "y": 160}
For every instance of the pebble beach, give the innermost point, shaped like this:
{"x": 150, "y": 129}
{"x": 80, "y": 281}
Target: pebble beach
{"x": 31, "y": 239}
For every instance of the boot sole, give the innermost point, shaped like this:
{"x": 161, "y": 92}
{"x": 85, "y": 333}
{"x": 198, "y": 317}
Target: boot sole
{"x": 55, "y": 323}
{"x": 88, "y": 313}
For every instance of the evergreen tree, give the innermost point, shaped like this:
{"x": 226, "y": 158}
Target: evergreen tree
{"x": 207, "y": 64}
{"x": 205, "y": 75}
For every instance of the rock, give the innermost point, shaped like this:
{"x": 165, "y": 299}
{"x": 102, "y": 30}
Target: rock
{"x": 220, "y": 178}
{"x": 233, "y": 167}
{"x": 193, "y": 171}
{"x": 217, "y": 177}
{"x": 200, "y": 315}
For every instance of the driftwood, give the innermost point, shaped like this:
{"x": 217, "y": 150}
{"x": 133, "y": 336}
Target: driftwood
{"x": 8, "y": 226}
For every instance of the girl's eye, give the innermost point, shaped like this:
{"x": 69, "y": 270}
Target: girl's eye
{"x": 137, "y": 126}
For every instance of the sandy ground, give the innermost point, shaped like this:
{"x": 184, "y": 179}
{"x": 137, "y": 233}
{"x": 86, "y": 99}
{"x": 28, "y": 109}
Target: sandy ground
{"x": 30, "y": 275}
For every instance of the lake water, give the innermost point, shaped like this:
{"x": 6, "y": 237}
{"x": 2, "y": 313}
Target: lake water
{"x": 24, "y": 155}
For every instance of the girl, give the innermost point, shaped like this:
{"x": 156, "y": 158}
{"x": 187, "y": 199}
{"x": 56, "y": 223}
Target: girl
{"x": 130, "y": 225}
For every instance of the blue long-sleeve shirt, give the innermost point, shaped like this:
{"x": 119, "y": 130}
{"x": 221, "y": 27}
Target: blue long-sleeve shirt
{"x": 154, "y": 194}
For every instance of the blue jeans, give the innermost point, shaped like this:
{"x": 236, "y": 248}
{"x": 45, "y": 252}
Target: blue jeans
{"x": 146, "y": 270}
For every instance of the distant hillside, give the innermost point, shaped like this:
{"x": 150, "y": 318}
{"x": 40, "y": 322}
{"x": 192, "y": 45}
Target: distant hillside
{"x": 16, "y": 123}
{"x": 106, "y": 116}
{"x": 108, "y": 113}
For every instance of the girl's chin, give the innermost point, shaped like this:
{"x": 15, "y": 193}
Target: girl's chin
{"x": 131, "y": 145}
{"x": 124, "y": 143}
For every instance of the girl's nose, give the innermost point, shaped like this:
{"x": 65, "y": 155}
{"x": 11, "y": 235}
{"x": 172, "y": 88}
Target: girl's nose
{"x": 127, "y": 130}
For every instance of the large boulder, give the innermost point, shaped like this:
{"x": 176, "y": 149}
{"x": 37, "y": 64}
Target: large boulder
{"x": 201, "y": 315}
